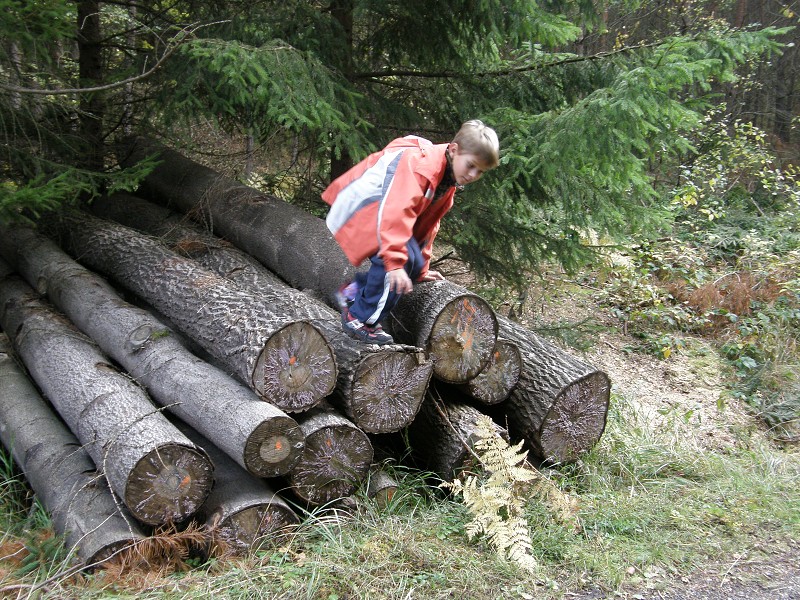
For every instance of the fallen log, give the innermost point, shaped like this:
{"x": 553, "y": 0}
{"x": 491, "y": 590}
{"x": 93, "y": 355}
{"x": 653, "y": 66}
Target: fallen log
{"x": 242, "y": 512}
{"x": 156, "y": 471}
{"x": 501, "y": 374}
{"x": 381, "y": 486}
{"x": 560, "y": 404}
{"x": 93, "y": 522}
{"x": 443, "y": 436}
{"x": 258, "y": 435}
{"x": 284, "y": 360}
{"x": 291, "y": 242}
{"x": 336, "y": 458}
{"x": 380, "y": 390}
{"x": 456, "y": 327}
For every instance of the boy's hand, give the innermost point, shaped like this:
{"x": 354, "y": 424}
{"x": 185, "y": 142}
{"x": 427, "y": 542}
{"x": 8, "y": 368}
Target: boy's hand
{"x": 400, "y": 282}
{"x": 432, "y": 276}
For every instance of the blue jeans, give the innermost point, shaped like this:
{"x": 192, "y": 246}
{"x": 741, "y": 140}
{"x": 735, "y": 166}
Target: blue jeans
{"x": 375, "y": 300}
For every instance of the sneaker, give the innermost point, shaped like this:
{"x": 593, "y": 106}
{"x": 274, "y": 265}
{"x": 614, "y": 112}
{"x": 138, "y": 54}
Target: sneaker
{"x": 364, "y": 333}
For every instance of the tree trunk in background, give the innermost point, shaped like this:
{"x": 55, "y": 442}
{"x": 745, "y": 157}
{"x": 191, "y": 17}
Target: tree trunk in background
{"x": 443, "y": 436}
{"x": 159, "y": 474}
{"x": 286, "y": 361}
{"x": 380, "y": 391}
{"x": 90, "y": 69}
{"x": 455, "y": 326}
{"x": 259, "y": 436}
{"x": 336, "y": 458}
{"x": 499, "y": 377}
{"x": 294, "y": 244}
{"x": 560, "y": 404}
{"x": 92, "y": 521}
{"x": 242, "y": 512}
{"x": 342, "y": 12}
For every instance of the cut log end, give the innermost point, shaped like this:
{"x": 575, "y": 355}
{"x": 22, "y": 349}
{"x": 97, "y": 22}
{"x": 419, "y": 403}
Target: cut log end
{"x": 169, "y": 484}
{"x": 498, "y": 378}
{"x": 296, "y": 369}
{"x": 462, "y": 339}
{"x": 254, "y": 526}
{"x": 274, "y": 447}
{"x": 388, "y": 390}
{"x": 577, "y": 419}
{"x": 335, "y": 461}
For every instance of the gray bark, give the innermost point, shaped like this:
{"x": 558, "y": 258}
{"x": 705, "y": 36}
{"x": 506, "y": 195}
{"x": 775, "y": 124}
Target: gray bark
{"x": 284, "y": 360}
{"x": 499, "y": 377}
{"x": 455, "y": 326}
{"x": 159, "y": 474}
{"x": 443, "y": 436}
{"x": 242, "y": 512}
{"x": 336, "y": 458}
{"x": 380, "y": 390}
{"x": 560, "y": 404}
{"x": 291, "y": 242}
{"x": 92, "y": 520}
{"x": 259, "y": 436}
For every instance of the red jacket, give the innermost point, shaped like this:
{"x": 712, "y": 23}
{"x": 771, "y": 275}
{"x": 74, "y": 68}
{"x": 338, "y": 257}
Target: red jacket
{"x": 387, "y": 198}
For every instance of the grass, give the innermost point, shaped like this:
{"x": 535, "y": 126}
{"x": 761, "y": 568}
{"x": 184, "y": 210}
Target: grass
{"x": 650, "y": 504}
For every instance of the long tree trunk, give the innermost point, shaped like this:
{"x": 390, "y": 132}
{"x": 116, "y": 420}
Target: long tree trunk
{"x": 159, "y": 474}
{"x": 90, "y": 68}
{"x": 499, "y": 377}
{"x": 380, "y": 391}
{"x": 455, "y": 326}
{"x": 560, "y": 404}
{"x": 93, "y": 522}
{"x": 242, "y": 512}
{"x": 286, "y": 361}
{"x": 291, "y": 242}
{"x": 258, "y": 435}
{"x": 443, "y": 436}
{"x": 336, "y": 458}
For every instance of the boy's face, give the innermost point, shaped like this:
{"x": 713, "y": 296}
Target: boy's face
{"x": 467, "y": 168}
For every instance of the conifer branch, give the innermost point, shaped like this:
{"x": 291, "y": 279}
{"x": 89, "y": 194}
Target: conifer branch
{"x": 184, "y": 34}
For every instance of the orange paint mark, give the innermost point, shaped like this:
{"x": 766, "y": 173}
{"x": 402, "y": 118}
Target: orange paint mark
{"x": 496, "y": 355}
{"x": 278, "y": 445}
{"x": 329, "y": 443}
{"x": 292, "y": 360}
{"x": 186, "y": 481}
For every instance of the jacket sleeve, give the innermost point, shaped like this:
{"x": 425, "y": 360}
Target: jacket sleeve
{"x": 400, "y": 207}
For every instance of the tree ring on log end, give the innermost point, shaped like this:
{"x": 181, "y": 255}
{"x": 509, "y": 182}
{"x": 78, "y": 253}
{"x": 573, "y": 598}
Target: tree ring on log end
{"x": 274, "y": 447}
{"x": 388, "y": 389}
{"x": 577, "y": 418}
{"x": 499, "y": 377}
{"x": 296, "y": 369}
{"x": 169, "y": 484}
{"x": 254, "y": 526}
{"x": 336, "y": 459}
{"x": 462, "y": 338}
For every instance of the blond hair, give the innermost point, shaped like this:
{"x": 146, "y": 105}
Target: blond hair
{"x": 479, "y": 139}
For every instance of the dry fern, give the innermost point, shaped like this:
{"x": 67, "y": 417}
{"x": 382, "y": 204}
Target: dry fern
{"x": 496, "y": 499}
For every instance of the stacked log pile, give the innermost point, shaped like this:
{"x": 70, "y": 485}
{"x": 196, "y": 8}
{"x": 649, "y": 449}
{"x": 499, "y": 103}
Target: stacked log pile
{"x": 280, "y": 407}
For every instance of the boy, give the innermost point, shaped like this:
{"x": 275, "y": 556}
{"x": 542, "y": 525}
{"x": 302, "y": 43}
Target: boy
{"x": 388, "y": 208}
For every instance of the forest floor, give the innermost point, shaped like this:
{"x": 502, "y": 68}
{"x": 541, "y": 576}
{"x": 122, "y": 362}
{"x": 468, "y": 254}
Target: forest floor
{"x": 690, "y": 383}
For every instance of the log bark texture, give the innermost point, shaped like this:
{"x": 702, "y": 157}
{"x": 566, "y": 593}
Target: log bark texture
{"x": 284, "y": 360}
{"x": 94, "y": 523}
{"x": 258, "y": 435}
{"x": 336, "y": 458}
{"x": 160, "y": 475}
{"x": 380, "y": 390}
{"x": 560, "y": 404}
{"x": 242, "y": 512}
{"x": 291, "y": 242}
{"x": 443, "y": 436}
{"x": 499, "y": 377}
{"x": 455, "y": 326}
